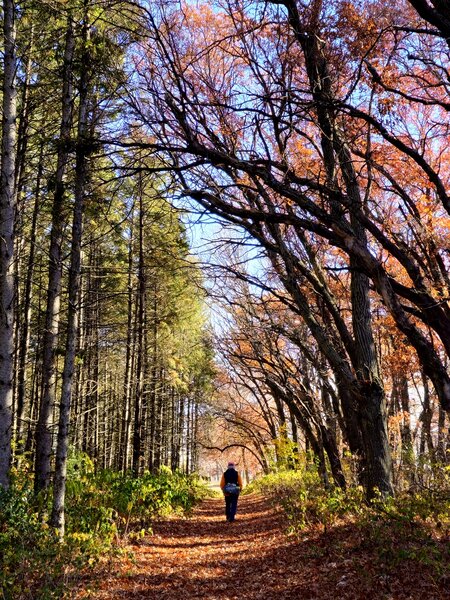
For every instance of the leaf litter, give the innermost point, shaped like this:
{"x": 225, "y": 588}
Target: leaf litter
{"x": 204, "y": 557}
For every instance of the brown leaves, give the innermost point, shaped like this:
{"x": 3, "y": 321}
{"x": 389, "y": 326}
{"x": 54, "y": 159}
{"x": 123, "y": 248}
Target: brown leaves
{"x": 209, "y": 559}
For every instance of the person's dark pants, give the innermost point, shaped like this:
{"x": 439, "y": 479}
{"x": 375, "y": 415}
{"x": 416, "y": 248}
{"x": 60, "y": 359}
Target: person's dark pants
{"x": 231, "y": 506}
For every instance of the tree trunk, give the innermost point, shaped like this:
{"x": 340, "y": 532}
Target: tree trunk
{"x": 7, "y": 213}
{"x": 59, "y": 486}
{"x": 188, "y": 430}
{"x": 426, "y": 439}
{"x": 180, "y": 431}
{"x": 405, "y": 428}
{"x": 153, "y": 391}
{"x": 52, "y": 316}
{"x": 140, "y": 317}
{"x": 24, "y": 342}
{"x": 372, "y": 402}
{"x": 442, "y": 437}
{"x": 22, "y": 315}
{"x": 126, "y": 420}
{"x": 372, "y": 407}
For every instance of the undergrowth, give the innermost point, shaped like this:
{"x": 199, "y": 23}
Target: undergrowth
{"x": 305, "y": 500}
{"x": 102, "y": 510}
{"x": 413, "y": 526}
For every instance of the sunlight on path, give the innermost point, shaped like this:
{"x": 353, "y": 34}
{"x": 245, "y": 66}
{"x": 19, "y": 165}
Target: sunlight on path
{"x": 206, "y": 557}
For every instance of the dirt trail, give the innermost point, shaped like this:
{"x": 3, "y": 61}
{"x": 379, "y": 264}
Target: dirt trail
{"x": 204, "y": 557}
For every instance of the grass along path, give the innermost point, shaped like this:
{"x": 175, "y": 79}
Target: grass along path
{"x": 204, "y": 557}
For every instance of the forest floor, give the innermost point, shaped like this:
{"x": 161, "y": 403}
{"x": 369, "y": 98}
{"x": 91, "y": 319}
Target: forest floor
{"x": 205, "y": 557}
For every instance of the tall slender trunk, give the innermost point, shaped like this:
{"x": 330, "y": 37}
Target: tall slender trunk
{"x": 52, "y": 316}
{"x": 126, "y": 420}
{"x": 21, "y": 317}
{"x": 426, "y": 439}
{"x": 405, "y": 428}
{"x": 36, "y": 370}
{"x": 79, "y": 405}
{"x": 442, "y": 436}
{"x": 59, "y": 486}
{"x": 138, "y": 398}
{"x": 153, "y": 368}
{"x": 294, "y": 428}
{"x": 179, "y": 433}
{"x": 92, "y": 384}
{"x": 174, "y": 430}
{"x": 188, "y": 430}
{"x": 7, "y": 212}
{"x": 24, "y": 117}
{"x": 24, "y": 342}
{"x": 194, "y": 436}
{"x": 116, "y": 460}
{"x": 158, "y": 419}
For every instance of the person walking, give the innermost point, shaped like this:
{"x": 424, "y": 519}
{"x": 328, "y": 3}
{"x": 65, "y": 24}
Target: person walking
{"x": 231, "y": 485}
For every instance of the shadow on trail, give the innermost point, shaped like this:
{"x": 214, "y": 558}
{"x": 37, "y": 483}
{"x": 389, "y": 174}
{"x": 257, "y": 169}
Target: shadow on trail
{"x": 206, "y": 558}
{"x": 209, "y": 520}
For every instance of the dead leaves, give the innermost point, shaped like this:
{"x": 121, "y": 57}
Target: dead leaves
{"x": 206, "y": 558}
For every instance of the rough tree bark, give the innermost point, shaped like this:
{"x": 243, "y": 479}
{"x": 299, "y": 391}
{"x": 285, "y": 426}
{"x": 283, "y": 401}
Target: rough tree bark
{"x": 7, "y": 214}
{"x": 81, "y": 174}
{"x": 52, "y": 315}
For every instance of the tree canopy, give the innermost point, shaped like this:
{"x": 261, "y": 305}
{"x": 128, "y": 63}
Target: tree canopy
{"x": 314, "y": 132}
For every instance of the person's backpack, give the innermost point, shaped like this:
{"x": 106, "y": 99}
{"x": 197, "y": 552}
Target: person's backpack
{"x": 231, "y": 488}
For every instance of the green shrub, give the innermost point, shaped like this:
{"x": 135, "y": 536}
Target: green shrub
{"x": 304, "y": 499}
{"x": 100, "y": 508}
{"x": 412, "y": 526}
{"x": 428, "y": 504}
{"x": 31, "y": 560}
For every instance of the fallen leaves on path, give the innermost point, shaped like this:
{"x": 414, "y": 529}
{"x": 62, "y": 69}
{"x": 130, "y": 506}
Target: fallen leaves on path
{"x": 205, "y": 557}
